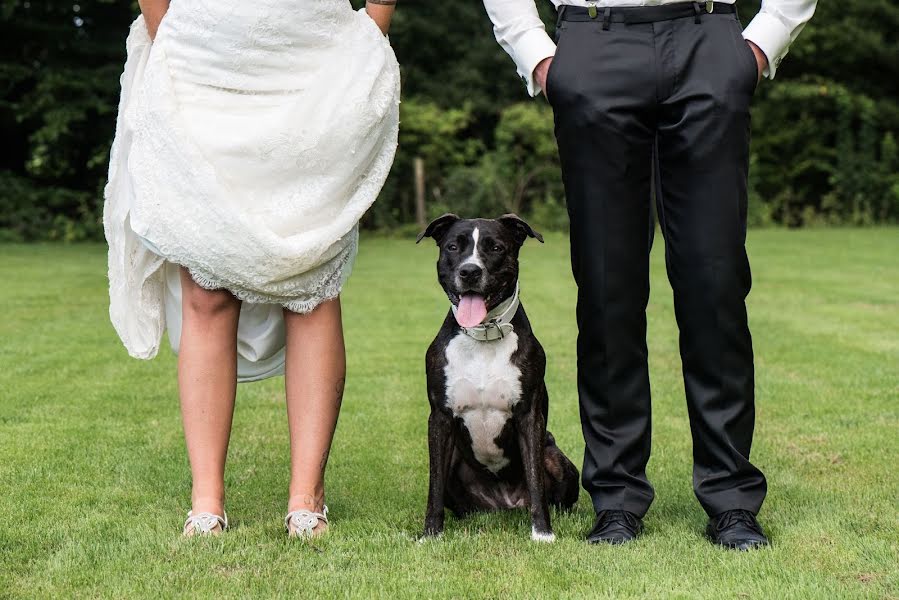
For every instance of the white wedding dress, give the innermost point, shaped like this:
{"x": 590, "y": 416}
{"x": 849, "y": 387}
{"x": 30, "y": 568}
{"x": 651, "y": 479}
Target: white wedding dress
{"x": 251, "y": 138}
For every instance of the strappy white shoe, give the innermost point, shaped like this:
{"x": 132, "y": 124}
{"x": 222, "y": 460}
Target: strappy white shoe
{"x": 204, "y": 524}
{"x": 302, "y": 523}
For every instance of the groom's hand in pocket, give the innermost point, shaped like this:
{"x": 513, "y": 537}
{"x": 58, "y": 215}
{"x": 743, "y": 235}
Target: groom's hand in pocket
{"x": 540, "y": 73}
{"x": 760, "y": 59}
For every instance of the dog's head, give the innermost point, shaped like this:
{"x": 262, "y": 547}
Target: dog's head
{"x": 478, "y": 264}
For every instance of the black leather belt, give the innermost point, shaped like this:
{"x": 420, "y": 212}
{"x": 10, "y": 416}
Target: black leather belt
{"x": 643, "y": 14}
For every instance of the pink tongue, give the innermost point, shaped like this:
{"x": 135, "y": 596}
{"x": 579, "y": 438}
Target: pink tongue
{"x": 471, "y": 310}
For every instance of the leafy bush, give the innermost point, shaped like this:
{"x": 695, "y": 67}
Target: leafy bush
{"x": 444, "y": 140}
{"x": 519, "y": 174}
{"x": 29, "y": 212}
{"x": 836, "y": 163}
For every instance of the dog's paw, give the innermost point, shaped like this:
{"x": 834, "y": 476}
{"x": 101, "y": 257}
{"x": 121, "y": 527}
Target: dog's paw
{"x": 543, "y": 536}
{"x": 427, "y": 537}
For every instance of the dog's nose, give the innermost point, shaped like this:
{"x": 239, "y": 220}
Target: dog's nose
{"x": 469, "y": 272}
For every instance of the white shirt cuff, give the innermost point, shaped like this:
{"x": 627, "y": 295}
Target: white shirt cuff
{"x": 772, "y": 37}
{"x": 532, "y": 47}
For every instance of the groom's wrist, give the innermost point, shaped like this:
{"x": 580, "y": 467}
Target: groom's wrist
{"x": 532, "y": 48}
{"x": 540, "y": 73}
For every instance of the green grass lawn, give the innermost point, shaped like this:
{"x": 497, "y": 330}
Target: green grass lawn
{"x": 94, "y": 481}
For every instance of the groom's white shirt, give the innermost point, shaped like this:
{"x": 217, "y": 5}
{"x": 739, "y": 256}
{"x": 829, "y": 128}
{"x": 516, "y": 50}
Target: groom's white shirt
{"x": 521, "y": 33}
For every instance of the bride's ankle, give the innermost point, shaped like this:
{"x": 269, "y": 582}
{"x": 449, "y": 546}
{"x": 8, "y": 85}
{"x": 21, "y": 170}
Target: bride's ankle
{"x": 210, "y": 504}
{"x": 313, "y": 501}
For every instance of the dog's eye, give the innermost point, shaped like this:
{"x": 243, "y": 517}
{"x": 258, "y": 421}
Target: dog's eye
{"x": 497, "y": 248}
{"x": 452, "y": 247}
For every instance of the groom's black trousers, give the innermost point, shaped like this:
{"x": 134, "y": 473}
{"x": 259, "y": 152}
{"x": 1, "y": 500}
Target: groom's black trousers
{"x": 637, "y": 93}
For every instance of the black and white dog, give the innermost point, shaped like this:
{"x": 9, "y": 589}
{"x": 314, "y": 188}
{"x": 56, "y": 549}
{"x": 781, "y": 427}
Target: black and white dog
{"x": 488, "y": 443}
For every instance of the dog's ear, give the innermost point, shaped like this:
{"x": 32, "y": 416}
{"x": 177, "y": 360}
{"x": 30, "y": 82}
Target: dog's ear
{"x": 438, "y": 227}
{"x": 522, "y": 230}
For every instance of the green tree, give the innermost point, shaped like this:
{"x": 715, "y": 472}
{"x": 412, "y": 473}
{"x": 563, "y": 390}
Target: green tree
{"x": 59, "y": 80}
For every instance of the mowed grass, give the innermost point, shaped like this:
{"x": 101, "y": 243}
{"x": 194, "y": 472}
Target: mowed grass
{"x": 94, "y": 481}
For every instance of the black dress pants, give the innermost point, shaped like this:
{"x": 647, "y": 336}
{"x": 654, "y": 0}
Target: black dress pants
{"x": 668, "y": 97}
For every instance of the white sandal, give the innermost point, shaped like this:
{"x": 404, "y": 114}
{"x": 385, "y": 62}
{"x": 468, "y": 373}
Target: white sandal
{"x": 302, "y": 523}
{"x": 204, "y": 524}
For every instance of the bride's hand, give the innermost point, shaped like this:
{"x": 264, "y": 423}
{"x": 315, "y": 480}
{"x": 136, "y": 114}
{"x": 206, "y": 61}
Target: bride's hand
{"x": 381, "y": 11}
{"x": 153, "y": 11}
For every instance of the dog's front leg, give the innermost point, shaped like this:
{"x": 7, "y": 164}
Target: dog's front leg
{"x": 531, "y": 439}
{"x": 440, "y": 450}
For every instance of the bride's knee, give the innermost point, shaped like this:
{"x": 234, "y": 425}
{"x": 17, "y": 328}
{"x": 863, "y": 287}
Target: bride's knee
{"x": 206, "y": 303}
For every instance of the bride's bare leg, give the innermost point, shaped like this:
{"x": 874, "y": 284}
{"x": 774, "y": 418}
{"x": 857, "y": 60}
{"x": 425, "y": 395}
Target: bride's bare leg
{"x": 314, "y": 377}
{"x": 207, "y": 380}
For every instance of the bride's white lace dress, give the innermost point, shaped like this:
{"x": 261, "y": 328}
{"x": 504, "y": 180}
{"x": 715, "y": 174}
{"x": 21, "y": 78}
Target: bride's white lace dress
{"x": 251, "y": 138}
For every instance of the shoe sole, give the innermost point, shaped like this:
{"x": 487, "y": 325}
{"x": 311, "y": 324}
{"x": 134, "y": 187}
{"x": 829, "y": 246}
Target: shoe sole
{"x": 610, "y": 542}
{"x": 739, "y": 546}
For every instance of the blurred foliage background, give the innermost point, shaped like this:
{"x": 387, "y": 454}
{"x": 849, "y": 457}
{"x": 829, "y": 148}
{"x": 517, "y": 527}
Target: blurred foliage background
{"x": 824, "y": 132}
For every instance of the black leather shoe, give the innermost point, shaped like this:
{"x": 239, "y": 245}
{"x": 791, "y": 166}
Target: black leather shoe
{"x": 615, "y": 527}
{"x": 737, "y": 530}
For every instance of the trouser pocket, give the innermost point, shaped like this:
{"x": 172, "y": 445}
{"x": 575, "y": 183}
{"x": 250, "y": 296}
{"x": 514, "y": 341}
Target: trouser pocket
{"x": 745, "y": 57}
{"x": 550, "y": 74}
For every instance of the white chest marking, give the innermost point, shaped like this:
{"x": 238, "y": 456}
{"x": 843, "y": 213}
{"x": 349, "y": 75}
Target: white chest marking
{"x": 482, "y": 386}
{"x": 475, "y": 258}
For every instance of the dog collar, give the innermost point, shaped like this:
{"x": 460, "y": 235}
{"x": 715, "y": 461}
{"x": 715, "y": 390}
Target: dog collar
{"x": 497, "y": 324}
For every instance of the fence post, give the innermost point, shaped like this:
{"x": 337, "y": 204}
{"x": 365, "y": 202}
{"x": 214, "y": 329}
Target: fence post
{"x": 420, "y": 214}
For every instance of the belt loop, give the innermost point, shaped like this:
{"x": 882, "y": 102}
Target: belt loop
{"x": 697, "y": 13}
{"x": 561, "y": 16}
{"x": 606, "y": 18}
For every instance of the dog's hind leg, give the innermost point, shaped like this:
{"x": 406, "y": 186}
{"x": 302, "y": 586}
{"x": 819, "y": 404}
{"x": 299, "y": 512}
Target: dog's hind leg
{"x": 561, "y": 476}
{"x": 469, "y": 490}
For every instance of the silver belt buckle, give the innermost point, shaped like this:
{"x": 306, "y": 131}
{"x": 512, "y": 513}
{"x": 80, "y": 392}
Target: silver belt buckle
{"x": 710, "y": 6}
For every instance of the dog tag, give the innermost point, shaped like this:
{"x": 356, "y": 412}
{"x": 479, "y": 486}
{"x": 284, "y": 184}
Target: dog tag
{"x": 591, "y": 10}
{"x": 709, "y": 6}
